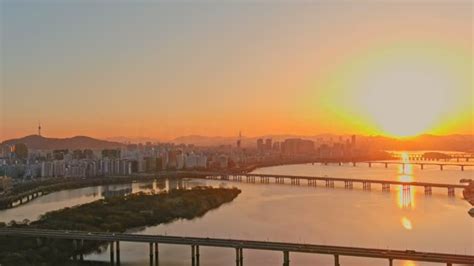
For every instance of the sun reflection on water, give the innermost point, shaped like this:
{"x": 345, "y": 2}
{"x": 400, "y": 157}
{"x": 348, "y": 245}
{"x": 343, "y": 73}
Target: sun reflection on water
{"x": 406, "y": 223}
{"x": 406, "y": 193}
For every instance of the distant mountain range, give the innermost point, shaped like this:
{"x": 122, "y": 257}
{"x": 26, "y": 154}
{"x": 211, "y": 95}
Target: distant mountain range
{"x": 463, "y": 143}
{"x": 78, "y": 142}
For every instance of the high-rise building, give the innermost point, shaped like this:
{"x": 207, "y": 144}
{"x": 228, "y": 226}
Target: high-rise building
{"x": 268, "y": 144}
{"x": 297, "y": 146}
{"x": 260, "y": 144}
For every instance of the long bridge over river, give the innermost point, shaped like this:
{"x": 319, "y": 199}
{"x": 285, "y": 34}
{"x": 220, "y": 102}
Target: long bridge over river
{"x": 114, "y": 239}
{"x": 327, "y": 181}
{"x": 422, "y": 165}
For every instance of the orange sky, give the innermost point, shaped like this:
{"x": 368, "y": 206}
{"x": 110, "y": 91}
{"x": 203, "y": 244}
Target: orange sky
{"x": 170, "y": 69}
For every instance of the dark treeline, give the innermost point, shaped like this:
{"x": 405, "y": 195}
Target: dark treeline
{"x": 110, "y": 215}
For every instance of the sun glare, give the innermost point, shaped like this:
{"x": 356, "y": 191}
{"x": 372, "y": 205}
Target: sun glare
{"x": 405, "y": 98}
{"x": 400, "y": 90}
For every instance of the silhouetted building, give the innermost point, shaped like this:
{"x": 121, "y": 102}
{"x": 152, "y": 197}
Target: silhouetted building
{"x": 297, "y": 146}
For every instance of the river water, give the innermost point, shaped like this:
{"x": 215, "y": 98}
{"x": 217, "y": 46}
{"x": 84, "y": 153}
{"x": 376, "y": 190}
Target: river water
{"x": 399, "y": 219}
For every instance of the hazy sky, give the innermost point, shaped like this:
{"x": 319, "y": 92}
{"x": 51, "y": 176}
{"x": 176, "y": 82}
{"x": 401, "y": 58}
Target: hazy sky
{"x": 165, "y": 69}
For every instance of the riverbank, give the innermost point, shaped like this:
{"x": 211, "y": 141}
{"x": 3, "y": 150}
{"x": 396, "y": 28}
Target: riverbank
{"x": 23, "y": 193}
{"x": 27, "y": 192}
{"x": 110, "y": 215}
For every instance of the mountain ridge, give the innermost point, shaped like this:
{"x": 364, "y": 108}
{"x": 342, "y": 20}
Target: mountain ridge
{"x": 75, "y": 142}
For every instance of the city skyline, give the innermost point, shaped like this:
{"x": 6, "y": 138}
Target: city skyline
{"x": 163, "y": 70}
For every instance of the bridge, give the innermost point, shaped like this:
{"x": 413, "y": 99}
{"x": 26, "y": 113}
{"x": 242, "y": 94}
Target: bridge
{"x": 421, "y": 156}
{"x": 421, "y": 164}
{"x": 153, "y": 241}
{"x": 328, "y": 181}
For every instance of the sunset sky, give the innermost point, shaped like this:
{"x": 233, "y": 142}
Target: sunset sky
{"x": 165, "y": 69}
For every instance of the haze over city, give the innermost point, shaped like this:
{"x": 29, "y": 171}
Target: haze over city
{"x": 150, "y": 132}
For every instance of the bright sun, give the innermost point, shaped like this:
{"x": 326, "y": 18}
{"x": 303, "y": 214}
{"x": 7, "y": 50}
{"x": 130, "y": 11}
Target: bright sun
{"x": 400, "y": 90}
{"x": 406, "y": 98}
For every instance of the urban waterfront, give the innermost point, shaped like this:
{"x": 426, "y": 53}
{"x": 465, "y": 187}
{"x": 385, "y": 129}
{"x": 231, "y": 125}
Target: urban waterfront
{"x": 395, "y": 220}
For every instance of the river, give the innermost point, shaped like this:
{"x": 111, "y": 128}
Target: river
{"x": 396, "y": 220}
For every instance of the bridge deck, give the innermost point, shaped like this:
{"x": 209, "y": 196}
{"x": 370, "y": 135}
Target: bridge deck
{"x": 324, "y": 178}
{"x": 245, "y": 244}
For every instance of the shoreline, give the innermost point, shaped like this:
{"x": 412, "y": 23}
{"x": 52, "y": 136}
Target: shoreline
{"x": 45, "y": 187}
{"x": 136, "y": 211}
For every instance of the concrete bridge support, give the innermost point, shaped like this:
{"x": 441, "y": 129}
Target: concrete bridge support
{"x": 386, "y": 165}
{"x": 390, "y": 262}
{"x": 348, "y": 184}
{"x": 441, "y": 167}
{"x": 112, "y": 256}
{"x": 74, "y": 250}
{"x": 370, "y": 164}
{"x": 286, "y": 258}
{"x": 451, "y": 192}
{"x": 422, "y": 166}
{"x": 428, "y": 190}
{"x": 117, "y": 252}
{"x": 329, "y": 183}
{"x": 81, "y": 250}
{"x": 366, "y": 185}
{"x": 336, "y": 260}
{"x": 157, "y": 261}
{"x": 386, "y": 187}
{"x": 239, "y": 257}
{"x": 354, "y": 164}
{"x": 462, "y": 167}
{"x": 151, "y": 253}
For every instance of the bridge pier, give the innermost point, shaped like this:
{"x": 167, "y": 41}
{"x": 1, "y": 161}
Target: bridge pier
{"x": 157, "y": 261}
{"x": 462, "y": 167}
{"x": 451, "y": 192}
{"x": 112, "y": 257}
{"x": 239, "y": 257}
{"x": 74, "y": 248}
{"x": 340, "y": 163}
{"x": 151, "y": 253}
{"x": 366, "y": 185}
{"x": 386, "y": 187}
{"x": 286, "y": 258}
{"x": 117, "y": 252}
{"x": 336, "y": 260}
{"x": 386, "y": 165}
{"x": 422, "y": 166}
{"x": 428, "y": 190}
{"x": 197, "y": 254}
{"x": 354, "y": 164}
{"x": 441, "y": 167}
{"x": 329, "y": 183}
{"x": 390, "y": 262}
{"x": 348, "y": 184}
{"x": 81, "y": 248}
{"x": 370, "y": 164}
